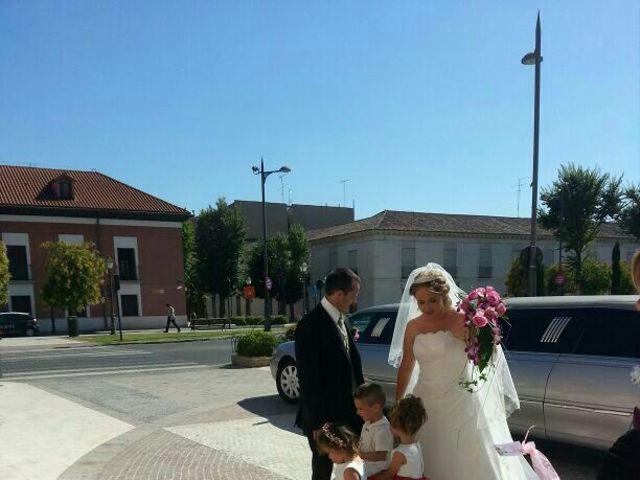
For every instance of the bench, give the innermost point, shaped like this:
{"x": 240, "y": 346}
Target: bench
{"x": 198, "y": 323}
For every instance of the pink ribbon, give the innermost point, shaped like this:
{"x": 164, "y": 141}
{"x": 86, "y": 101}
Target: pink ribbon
{"x": 541, "y": 464}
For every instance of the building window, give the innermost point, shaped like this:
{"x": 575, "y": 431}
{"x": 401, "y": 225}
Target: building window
{"x": 485, "y": 268}
{"x": 353, "y": 260}
{"x": 129, "y": 305}
{"x": 65, "y": 189}
{"x": 18, "y": 266}
{"x": 21, "y": 303}
{"x": 333, "y": 259}
{"x": 408, "y": 261}
{"x": 127, "y": 264}
{"x": 450, "y": 260}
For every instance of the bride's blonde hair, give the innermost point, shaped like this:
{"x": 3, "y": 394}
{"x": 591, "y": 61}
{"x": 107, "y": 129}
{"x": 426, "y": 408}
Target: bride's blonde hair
{"x": 433, "y": 281}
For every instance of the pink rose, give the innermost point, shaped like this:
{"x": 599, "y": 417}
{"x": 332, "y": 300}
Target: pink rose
{"x": 501, "y": 309}
{"x": 479, "y": 320}
{"x": 472, "y": 295}
{"x": 493, "y": 298}
{"x": 481, "y": 291}
{"x": 491, "y": 313}
{"x": 489, "y": 288}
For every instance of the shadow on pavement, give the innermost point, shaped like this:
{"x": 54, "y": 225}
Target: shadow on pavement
{"x": 278, "y": 413}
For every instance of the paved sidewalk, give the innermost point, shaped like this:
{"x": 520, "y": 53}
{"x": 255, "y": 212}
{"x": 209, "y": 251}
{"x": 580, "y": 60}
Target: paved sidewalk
{"x": 234, "y": 437}
{"x": 44, "y": 434}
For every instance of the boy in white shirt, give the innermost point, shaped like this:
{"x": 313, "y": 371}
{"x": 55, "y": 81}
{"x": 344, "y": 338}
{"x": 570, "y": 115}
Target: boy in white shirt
{"x": 376, "y": 440}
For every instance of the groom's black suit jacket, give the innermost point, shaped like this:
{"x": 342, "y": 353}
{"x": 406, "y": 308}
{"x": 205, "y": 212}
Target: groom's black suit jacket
{"x": 326, "y": 373}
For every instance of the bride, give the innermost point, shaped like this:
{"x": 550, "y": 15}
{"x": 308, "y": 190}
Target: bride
{"x": 458, "y": 440}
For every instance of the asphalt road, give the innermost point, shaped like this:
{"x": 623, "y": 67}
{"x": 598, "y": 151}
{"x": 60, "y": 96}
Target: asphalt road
{"x": 157, "y": 383}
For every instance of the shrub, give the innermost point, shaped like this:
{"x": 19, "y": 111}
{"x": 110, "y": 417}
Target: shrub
{"x": 257, "y": 343}
{"x": 569, "y": 286}
{"x": 595, "y": 277}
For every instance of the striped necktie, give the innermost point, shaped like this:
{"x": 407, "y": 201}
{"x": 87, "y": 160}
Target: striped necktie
{"x": 343, "y": 332}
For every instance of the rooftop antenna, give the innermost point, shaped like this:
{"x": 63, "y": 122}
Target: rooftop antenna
{"x": 520, "y": 185}
{"x": 344, "y": 190}
{"x": 282, "y": 185}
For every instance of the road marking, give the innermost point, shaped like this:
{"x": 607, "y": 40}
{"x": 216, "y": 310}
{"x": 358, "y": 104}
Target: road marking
{"x": 102, "y": 371}
{"x": 21, "y": 358}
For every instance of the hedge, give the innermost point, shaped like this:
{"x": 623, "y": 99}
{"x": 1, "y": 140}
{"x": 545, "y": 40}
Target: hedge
{"x": 256, "y": 343}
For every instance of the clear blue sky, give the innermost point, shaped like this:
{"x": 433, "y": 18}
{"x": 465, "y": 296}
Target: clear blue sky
{"x": 423, "y": 105}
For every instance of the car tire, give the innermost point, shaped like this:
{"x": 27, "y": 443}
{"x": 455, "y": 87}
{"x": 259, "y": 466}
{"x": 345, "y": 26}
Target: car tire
{"x": 287, "y": 380}
{"x": 29, "y": 332}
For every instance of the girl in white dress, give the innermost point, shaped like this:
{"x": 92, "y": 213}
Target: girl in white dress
{"x": 341, "y": 445}
{"x": 428, "y": 346}
{"x": 406, "y": 459}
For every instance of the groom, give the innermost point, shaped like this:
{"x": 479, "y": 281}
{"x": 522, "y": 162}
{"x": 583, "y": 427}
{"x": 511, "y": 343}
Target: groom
{"x": 329, "y": 367}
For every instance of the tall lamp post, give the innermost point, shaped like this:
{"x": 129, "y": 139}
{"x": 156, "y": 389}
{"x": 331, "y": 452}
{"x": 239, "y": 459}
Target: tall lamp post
{"x": 109, "y": 264}
{"x": 267, "y": 299}
{"x": 534, "y": 58}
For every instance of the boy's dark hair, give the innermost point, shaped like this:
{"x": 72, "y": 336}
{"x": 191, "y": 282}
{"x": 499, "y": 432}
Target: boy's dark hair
{"x": 340, "y": 279}
{"x": 335, "y": 436}
{"x": 371, "y": 393}
{"x": 408, "y": 415}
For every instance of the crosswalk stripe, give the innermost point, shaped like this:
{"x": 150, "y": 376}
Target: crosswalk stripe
{"x": 23, "y": 358}
{"x": 84, "y": 373}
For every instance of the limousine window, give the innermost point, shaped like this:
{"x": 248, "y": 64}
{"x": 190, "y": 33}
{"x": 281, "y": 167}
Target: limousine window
{"x": 375, "y": 327}
{"x": 542, "y": 330}
{"x": 612, "y": 333}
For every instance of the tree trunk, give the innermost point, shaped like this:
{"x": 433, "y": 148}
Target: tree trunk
{"x": 292, "y": 317}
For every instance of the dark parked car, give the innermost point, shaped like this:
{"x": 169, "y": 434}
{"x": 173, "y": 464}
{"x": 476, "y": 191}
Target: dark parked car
{"x": 570, "y": 357}
{"x": 18, "y": 323}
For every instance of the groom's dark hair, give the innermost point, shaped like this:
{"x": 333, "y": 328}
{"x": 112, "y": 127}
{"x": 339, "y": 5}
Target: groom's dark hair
{"x": 340, "y": 279}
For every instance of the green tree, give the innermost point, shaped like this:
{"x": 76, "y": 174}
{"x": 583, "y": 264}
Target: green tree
{"x": 595, "y": 277}
{"x": 629, "y": 219}
{"x": 5, "y": 276}
{"x": 220, "y": 234}
{"x": 616, "y": 274}
{"x": 193, "y": 291}
{"x": 75, "y": 274}
{"x": 286, "y": 255}
{"x": 298, "y": 247}
{"x": 576, "y": 206}
{"x": 626, "y": 284}
{"x": 517, "y": 281}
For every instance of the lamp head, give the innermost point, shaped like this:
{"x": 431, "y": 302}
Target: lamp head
{"x": 108, "y": 263}
{"x": 530, "y": 58}
{"x": 284, "y": 169}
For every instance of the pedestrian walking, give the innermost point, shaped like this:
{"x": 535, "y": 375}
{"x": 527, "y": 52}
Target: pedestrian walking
{"x": 171, "y": 318}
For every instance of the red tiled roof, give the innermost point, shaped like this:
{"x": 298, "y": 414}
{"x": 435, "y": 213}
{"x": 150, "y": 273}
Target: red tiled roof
{"x": 446, "y": 224}
{"x": 24, "y": 188}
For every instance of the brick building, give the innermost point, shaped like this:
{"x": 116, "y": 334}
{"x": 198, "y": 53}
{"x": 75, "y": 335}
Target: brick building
{"x": 139, "y": 232}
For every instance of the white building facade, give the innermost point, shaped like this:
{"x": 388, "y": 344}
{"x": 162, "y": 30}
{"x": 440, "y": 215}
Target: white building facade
{"x": 476, "y": 250}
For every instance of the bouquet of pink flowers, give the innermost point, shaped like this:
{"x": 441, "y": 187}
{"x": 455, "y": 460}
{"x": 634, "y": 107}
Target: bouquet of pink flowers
{"x": 483, "y": 310}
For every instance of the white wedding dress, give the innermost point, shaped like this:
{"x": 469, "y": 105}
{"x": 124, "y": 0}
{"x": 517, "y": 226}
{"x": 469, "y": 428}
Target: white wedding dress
{"x": 461, "y": 430}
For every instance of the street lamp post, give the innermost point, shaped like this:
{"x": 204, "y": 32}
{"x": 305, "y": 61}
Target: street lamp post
{"x": 534, "y": 58}
{"x": 263, "y": 178}
{"x": 109, "y": 265}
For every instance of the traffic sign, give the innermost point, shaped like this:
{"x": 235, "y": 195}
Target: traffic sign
{"x": 249, "y": 292}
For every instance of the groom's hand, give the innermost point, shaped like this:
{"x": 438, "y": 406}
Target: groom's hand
{"x": 316, "y": 433}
